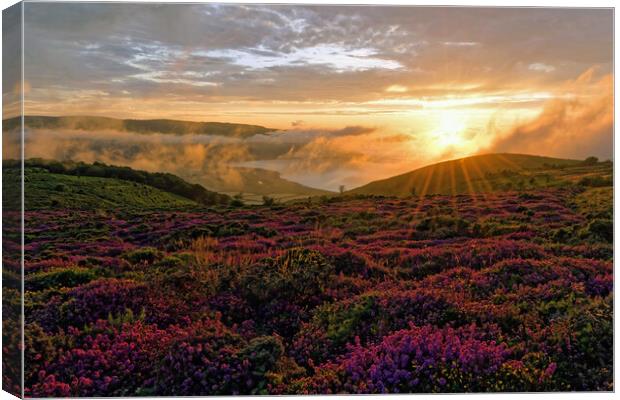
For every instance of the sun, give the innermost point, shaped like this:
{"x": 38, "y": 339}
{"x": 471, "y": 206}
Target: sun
{"x": 449, "y": 130}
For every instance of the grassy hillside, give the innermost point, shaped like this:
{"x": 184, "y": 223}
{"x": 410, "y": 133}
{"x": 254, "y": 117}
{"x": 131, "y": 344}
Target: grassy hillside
{"x": 46, "y": 190}
{"x": 110, "y": 184}
{"x": 90, "y": 123}
{"x": 164, "y": 181}
{"x": 488, "y": 173}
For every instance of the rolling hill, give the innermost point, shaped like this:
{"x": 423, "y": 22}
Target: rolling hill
{"x": 46, "y": 190}
{"x": 168, "y": 126}
{"x": 254, "y": 183}
{"x": 77, "y": 185}
{"x": 485, "y": 173}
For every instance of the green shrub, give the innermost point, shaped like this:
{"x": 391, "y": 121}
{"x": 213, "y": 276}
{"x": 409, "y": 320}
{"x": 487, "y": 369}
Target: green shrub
{"x": 586, "y": 357}
{"x": 263, "y": 353}
{"x": 590, "y": 161}
{"x": 341, "y": 324}
{"x": 170, "y": 262}
{"x": 595, "y": 181}
{"x": 442, "y": 227}
{"x": 38, "y": 350}
{"x": 299, "y": 274}
{"x": 143, "y": 255}
{"x": 58, "y": 278}
{"x": 602, "y": 229}
{"x": 236, "y": 203}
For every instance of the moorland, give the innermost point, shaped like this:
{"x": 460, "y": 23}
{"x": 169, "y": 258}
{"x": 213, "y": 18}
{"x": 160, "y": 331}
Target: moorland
{"x": 491, "y": 273}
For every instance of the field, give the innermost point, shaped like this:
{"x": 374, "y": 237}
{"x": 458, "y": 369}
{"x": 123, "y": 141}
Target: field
{"x": 500, "y": 291}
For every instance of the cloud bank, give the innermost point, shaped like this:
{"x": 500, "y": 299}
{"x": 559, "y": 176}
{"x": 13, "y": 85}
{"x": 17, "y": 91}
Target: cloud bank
{"x": 576, "y": 126}
{"x": 319, "y": 158}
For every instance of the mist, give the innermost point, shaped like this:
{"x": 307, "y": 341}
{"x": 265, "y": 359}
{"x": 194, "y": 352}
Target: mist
{"x": 577, "y": 125}
{"x": 318, "y": 158}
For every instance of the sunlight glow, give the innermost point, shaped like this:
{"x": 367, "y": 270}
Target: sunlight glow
{"x": 450, "y": 130}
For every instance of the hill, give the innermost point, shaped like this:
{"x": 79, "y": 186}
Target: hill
{"x": 168, "y": 126}
{"x": 254, "y": 183}
{"x": 486, "y": 173}
{"x": 46, "y": 190}
{"x": 44, "y": 175}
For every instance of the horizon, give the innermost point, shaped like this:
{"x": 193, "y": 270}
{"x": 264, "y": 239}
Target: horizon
{"x": 363, "y": 93}
{"x": 268, "y": 133}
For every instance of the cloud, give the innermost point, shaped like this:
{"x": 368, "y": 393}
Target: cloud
{"x": 300, "y": 136}
{"x": 461, "y": 44}
{"x": 210, "y": 160}
{"x": 331, "y": 147}
{"x": 351, "y": 156}
{"x": 219, "y": 55}
{"x": 203, "y": 159}
{"x": 333, "y": 56}
{"x": 541, "y": 67}
{"x": 396, "y": 89}
{"x": 465, "y": 100}
{"x": 323, "y": 158}
{"x": 576, "y": 126}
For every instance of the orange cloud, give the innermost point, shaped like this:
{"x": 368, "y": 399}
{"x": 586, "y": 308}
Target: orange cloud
{"x": 576, "y": 125}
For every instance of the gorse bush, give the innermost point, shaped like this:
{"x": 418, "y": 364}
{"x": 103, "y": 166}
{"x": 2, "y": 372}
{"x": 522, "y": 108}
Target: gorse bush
{"x": 595, "y": 181}
{"x": 584, "y": 338}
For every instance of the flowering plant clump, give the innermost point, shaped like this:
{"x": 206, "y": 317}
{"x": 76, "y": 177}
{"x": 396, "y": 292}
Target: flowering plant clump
{"x": 424, "y": 359}
{"x": 101, "y": 298}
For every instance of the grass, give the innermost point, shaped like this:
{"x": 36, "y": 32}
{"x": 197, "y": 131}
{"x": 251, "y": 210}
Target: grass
{"x": 487, "y": 173}
{"x": 45, "y": 190}
{"x": 595, "y": 202}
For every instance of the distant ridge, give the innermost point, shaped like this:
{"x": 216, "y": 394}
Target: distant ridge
{"x": 145, "y": 126}
{"x": 480, "y": 173}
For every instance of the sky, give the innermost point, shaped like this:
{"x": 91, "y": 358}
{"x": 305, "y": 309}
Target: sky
{"x": 412, "y": 85}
